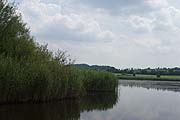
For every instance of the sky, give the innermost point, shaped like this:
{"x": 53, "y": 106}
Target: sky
{"x": 121, "y": 33}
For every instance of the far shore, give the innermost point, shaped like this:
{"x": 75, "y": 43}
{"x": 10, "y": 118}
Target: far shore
{"x": 149, "y": 77}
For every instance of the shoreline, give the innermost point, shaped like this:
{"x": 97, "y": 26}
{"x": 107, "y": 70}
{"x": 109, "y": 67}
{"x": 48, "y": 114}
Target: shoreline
{"x": 148, "y": 79}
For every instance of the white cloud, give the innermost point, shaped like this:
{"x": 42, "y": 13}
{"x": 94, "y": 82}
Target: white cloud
{"x": 49, "y": 22}
{"x": 141, "y": 24}
{"x": 151, "y": 42}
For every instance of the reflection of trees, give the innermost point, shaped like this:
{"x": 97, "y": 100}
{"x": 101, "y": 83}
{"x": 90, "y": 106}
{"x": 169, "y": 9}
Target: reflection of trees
{"x": 63, "y": 110}
{"x": 100, "y": 101}
{"x": 158, "y": 85}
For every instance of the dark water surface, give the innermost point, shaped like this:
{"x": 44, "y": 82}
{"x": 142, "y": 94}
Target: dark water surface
{"x": 134, "y": 100}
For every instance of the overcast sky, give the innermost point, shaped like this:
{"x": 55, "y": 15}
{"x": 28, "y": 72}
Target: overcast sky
{"x": 122, "y": 33}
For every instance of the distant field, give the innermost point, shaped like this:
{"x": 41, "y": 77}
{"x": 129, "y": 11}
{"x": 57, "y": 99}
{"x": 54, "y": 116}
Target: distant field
{"x": 148, "y": 77}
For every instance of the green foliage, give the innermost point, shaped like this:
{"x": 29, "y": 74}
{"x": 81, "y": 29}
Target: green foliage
{"x": 15, "y": 39}
{"x": 134, "y": 74}
{"x": 30, "y": 72}
{"x": 98, "y": 80}
{"x": 28, "y": 80}
{"x": 158, "y": 75}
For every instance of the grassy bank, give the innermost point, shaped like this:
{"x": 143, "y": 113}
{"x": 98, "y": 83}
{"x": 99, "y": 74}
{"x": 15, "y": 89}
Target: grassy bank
{"x": 32, "y": 73}
{"x": 148, "y": 77}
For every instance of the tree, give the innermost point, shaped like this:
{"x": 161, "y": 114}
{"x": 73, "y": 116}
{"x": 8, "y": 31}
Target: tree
{"x": 15, "y": 39}
{"x": 63, "y": 58}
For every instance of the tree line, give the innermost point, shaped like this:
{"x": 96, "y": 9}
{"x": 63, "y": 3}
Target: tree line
{"x": 152, "y": 71}
{"x": 148, "y": 71}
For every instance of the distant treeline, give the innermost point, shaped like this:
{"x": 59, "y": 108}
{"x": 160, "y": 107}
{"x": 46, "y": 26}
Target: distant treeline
{"x": 30, "y": 72}
{"x": 150, "y": 71}
{"x": 97, "y": 67}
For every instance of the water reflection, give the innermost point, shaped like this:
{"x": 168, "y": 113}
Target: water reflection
{"x": 99, "y": 101}
{"x": 158, "y": 85}
{"x": 136, "y": 102}
{"x": 139, "y": 100}
{"x": 63, "y": 110}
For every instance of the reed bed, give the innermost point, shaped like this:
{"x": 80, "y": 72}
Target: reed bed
{"x": 39, "y": 81}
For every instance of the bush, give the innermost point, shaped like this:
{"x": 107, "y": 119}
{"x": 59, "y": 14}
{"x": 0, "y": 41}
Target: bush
{"x": 134, "y": 74}
{"x": 158, "y": 75}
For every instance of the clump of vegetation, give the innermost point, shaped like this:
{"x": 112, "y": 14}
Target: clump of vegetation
{"x": 98, "y": 80}
{"x": 134, "y": 74}
{"x": 158, "y": 75}
{"x": 30, "y": 72}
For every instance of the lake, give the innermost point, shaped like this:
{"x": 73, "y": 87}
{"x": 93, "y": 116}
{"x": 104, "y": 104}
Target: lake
{"x": 133, "y": 100}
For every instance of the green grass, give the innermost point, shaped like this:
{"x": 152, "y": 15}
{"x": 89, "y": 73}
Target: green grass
{"x": 148, "y": 77}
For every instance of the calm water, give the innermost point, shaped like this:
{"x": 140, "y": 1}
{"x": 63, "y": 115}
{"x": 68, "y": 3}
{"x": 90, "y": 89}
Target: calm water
{"x": 134, "y": 100}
